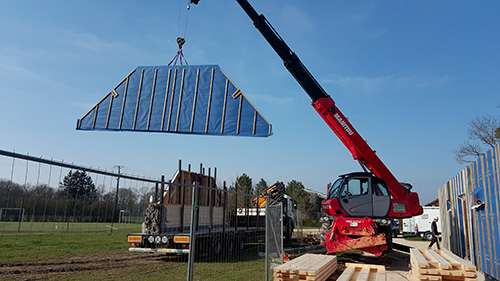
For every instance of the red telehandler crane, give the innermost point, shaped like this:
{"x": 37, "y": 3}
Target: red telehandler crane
{"x": 361, "y": 202}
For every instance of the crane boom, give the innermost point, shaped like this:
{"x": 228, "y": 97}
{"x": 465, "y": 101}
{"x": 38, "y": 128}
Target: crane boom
{"x": 324, "y": 104}
{"x": 360, "y": 202}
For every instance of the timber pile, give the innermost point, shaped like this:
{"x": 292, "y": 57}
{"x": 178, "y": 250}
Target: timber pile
{"x": 440, "y": 265}
{"x": 311, "y": 267}
{"x": 309, "y": 239}
{"x": 363, "y": 272}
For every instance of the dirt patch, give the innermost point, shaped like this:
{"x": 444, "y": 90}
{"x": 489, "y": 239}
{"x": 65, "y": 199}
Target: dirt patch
{"x": 57, "y": 268}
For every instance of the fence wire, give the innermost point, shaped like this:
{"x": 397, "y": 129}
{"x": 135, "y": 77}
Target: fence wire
{"x": 274, "y": 237}
{"x": 38, "y": 195}
{"x": 229, "y": 230}
{"x": 41, "y": 196}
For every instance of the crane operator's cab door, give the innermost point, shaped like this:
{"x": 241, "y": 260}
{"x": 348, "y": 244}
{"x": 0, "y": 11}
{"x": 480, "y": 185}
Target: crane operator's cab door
{"x": 355, "y": 197}
{"x": 381, "y": 198}
{"x": 365, "y": 197}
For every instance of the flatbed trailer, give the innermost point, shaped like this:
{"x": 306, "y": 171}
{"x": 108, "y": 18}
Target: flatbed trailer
{"x": 215, "y": 242}
{"x": 221, "y": 226}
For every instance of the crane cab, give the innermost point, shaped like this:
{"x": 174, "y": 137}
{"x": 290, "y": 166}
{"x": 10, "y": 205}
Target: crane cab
{"x": 358, "y": 195}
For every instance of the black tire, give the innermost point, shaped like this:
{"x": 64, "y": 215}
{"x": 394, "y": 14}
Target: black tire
{"x": 387, "y": 231}
{"x": 230, "y": 243}
{"x": 428, "y": 236}
{"x": 217, "y": 247}
{"x": 240, "y": 246}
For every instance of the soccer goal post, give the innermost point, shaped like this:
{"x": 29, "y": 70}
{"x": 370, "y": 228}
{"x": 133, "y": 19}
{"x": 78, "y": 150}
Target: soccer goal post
{"x": 124, "y": 216}
{"x": 12, "y": 214}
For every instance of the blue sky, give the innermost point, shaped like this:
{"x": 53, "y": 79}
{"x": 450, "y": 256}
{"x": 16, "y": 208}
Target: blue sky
{"x": 409, "y": 75}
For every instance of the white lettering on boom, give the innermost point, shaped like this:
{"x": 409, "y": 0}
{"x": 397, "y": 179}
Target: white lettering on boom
{"x": 343, "y": 124}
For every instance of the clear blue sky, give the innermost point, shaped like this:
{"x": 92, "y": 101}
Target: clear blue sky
{"x": 409, "y": 75}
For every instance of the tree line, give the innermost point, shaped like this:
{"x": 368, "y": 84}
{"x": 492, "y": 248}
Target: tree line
{"x": 309, "y": 204}
{"x": 76, "y": 199}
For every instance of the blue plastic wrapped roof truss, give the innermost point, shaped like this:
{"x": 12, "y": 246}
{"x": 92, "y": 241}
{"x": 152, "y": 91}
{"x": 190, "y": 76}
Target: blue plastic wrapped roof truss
{"x": 191, "y": 99}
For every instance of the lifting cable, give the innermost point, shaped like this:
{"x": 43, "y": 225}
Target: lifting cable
{"x": 181, "y": 38}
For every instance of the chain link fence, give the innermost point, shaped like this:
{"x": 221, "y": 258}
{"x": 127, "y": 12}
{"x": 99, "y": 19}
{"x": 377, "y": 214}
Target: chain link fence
{"x": 44, "y": 196}
{"x": 274, "y": 237}
{"x": 40, "y": 196}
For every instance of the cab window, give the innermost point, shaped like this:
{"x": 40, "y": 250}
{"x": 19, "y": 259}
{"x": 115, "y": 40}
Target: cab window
{"x": 355, "y": 187}
{"x": 380, "y": 188}
{"x": 334, "y": 190}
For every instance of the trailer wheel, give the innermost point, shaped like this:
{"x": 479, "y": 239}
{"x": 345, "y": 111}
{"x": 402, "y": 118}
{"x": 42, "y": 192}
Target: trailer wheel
{"x": 230, "y": 243}
{"x": 217, "y": 245}
{"x": 241, "y": 242}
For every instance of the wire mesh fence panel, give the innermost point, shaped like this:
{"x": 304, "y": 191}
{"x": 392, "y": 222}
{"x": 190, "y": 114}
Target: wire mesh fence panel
{"x": 299, "y": 228}
{"x": 274, "y": 237}
{"x": 230, "y": 231}
{"x": 39, "y": 196}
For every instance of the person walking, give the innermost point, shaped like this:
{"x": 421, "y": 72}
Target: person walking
{"x": 434, "y": 231}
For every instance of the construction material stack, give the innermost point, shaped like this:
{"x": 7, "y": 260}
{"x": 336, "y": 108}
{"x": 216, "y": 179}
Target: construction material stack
{"x": 307, "y": 267}
{"x": 440, "y": 265}
{"x": 363, "y": 272}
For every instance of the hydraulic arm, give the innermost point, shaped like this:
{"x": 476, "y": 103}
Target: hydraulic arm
{"x": 361, "y": 202}
{"x": 407, "y": 203}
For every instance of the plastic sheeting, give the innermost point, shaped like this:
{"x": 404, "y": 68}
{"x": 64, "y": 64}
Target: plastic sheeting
{"x": 470, "y": 213}
{"x": 177, "y": 99}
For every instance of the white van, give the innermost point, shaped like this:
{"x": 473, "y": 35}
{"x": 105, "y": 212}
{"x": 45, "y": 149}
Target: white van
{"x": 421, "y": 225}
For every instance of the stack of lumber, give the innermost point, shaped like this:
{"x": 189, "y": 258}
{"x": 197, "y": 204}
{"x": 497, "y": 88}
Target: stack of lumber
{"x": 309, "y": 239}
{"x": 310, "y": 267}
{"x": 366, "y": 272}
{"x": 440, "y": 265}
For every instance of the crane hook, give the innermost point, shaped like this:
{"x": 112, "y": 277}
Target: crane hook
{"x": 180, "y": 42}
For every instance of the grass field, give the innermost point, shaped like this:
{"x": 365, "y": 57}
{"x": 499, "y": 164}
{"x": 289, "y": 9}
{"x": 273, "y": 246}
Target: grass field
{"x": 102, "y": 256}
{"x": 67, "y": 227}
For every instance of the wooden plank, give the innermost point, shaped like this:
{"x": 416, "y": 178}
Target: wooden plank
{"x": 443, "y": 263}
{"x": 306, "y": 264}
{"x": 454, "y": 259}
{"x": 323, "y": 275}
{"x": 457, "y": 278}
{"x": 425, "y": 271}
{"x": 413, "y": 276}
{"x": 365, "y": 265}
{"x": 420, "y": 260}
{"x": 381, "y": 275}
{"x": 364, "y": 272}
{"x": 347, "y": 274}
{"x": 430, "y": 259}
{"x": 307, "y": 267}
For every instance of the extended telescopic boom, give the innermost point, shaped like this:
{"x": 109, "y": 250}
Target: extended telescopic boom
{"x": 324, "y": 104}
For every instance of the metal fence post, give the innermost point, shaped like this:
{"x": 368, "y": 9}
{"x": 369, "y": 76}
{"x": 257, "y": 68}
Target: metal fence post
{"x": 192, "y": 232}
{"x": 267, "y": 237}
{"x": 116, "y": 199}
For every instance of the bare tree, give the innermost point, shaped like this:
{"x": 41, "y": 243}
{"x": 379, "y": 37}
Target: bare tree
{"x": 483, "y": 134}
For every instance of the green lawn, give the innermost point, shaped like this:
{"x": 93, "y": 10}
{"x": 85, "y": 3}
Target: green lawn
{"x": 28, "y": 248}
{"x": 32, "y": 252}
{"x": 67, "y": 227}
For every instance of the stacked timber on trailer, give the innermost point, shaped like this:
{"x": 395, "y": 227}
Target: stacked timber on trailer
{"x": 177, "y": 202}
{"x": 440, "y": 265}
{"x": 307, "y": 267}
{"x": 363, "y": 272}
